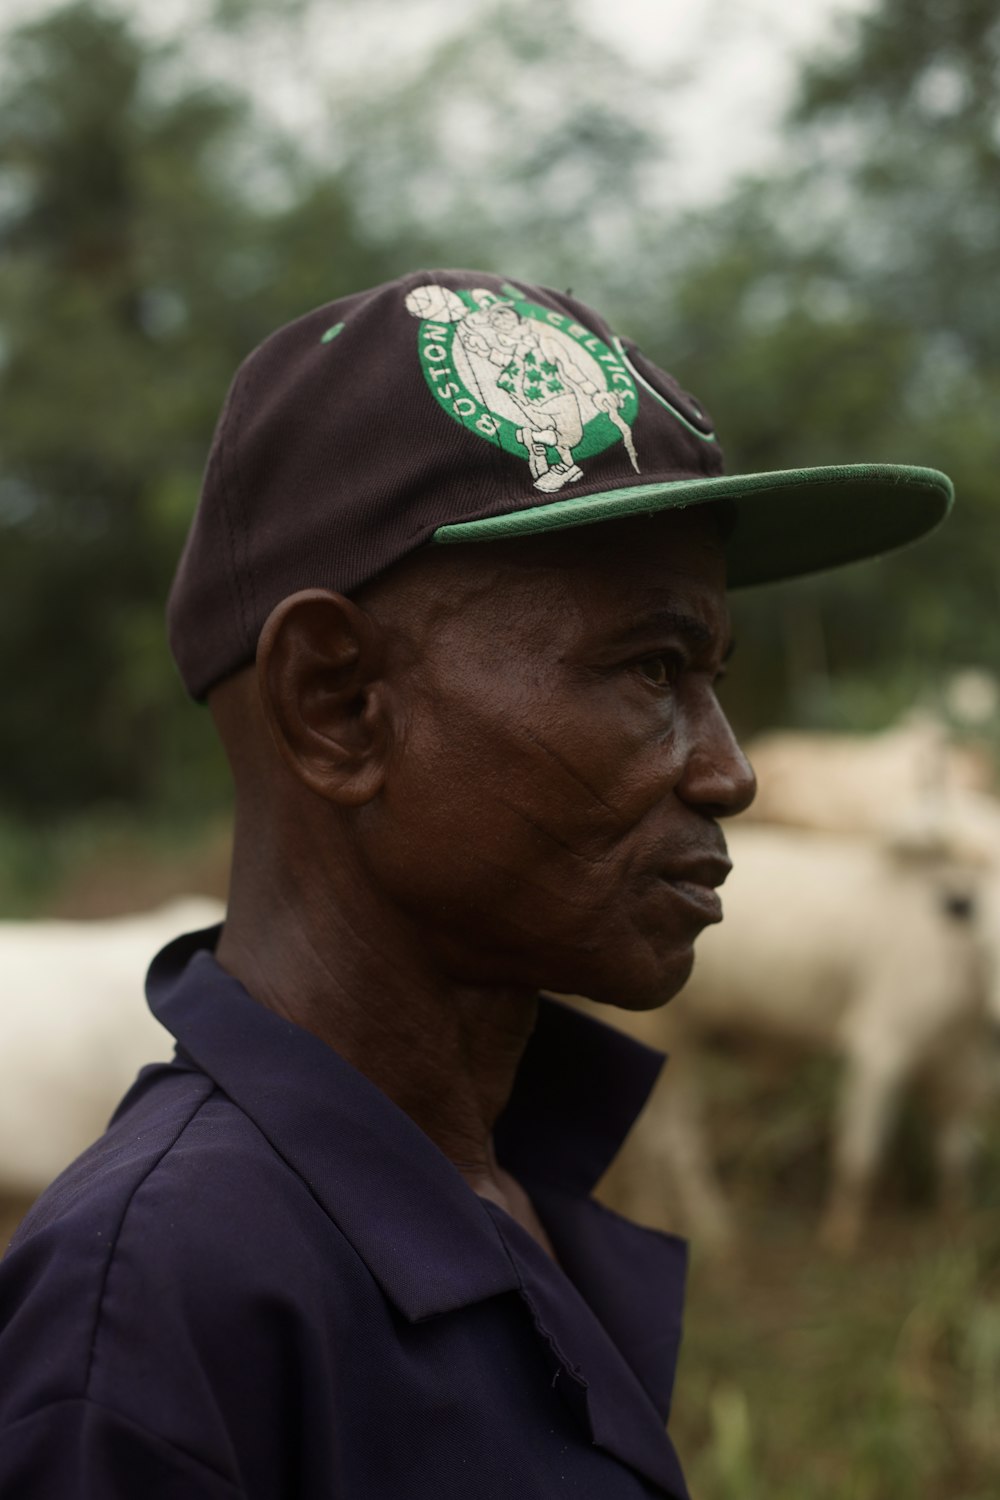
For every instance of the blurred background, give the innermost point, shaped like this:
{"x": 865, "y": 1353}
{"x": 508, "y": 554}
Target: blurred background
{"x": 794, "y": 209}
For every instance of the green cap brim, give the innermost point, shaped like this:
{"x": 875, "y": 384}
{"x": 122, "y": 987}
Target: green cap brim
{"x": 789, "y": 522}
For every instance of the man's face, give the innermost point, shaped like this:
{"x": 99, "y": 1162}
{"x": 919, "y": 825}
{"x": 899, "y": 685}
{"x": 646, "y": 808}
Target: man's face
{"x": 550, "y": 813}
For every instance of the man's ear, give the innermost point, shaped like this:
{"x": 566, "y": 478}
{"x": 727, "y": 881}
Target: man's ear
{"x": 319, "y": 660}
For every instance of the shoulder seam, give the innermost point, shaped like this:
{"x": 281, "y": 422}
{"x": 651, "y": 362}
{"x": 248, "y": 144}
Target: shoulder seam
{"x": 121, "y": 1416}
{"x": 113, "y": 1244}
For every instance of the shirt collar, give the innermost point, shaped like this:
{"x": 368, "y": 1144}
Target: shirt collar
{"x": 426, "y": 1239}
{"x": 578, "y": 1092}
{"x": 430, "y": 1243}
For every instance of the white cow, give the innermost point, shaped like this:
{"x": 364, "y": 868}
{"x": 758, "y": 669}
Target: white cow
{"x": 75, "y": 1030}
{"x": 853, "y": 783}
{"x": 912, "y": 785}
{"x": 841, "y": 944}
{"x": 967, "y": 830}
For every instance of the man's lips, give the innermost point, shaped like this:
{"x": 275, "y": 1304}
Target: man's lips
{"x": 695, "y": 884}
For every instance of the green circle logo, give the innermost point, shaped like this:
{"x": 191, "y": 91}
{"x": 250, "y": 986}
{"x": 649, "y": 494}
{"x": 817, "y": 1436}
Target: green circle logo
{"x": 526, "y": 378}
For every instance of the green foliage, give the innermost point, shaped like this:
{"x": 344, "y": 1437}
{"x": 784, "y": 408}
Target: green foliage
{"x": 520, "y": 145}
{"x": 845, "y": 311}
{"x": 139, "y": 272}
{"x": 155, "y": 228}
{"x": 804, "y": 1379}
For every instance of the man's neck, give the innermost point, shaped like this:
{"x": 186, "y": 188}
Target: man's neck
{"x": 446, "y": 1054}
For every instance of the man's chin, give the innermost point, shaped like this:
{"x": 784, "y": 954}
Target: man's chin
{"x": 634, "y": 987}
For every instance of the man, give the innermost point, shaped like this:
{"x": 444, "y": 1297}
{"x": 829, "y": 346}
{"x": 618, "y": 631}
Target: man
{"x": 343, "y": 1245}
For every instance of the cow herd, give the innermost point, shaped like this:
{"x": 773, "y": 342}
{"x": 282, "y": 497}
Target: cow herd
{"x": 862, "y": 921}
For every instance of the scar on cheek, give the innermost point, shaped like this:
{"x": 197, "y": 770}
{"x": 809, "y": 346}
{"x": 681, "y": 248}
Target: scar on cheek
{"x": 575, "y": 777}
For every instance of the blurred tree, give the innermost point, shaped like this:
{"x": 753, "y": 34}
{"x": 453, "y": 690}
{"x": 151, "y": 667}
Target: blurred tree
{"x": 154, "y": 230}
{"x": 845, "y": 311}
{"x": 817, "y": 312}
{"x": 140, "y": 266}
{"x": 522, "y": 143}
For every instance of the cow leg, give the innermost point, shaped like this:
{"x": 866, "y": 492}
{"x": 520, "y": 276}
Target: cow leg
{"x": 959, "y": 1091}
{"x": 684, "y": 1151}
{"x": 666, "y": 1165}
{"x": 867, "y": 1103}
{"x": 956, "y": 1148}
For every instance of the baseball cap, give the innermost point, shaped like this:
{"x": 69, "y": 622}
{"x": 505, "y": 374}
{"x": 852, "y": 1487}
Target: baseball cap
{"x": 461, "y": 406}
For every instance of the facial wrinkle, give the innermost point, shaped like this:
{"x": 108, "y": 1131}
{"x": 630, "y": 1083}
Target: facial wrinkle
{"x": 546, "y": 833}
{"x": 524, "y": 880}
{"x": 573, "y": 774}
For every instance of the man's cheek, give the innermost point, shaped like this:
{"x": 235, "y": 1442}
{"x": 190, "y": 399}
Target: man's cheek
{"x": 581, "y": 797}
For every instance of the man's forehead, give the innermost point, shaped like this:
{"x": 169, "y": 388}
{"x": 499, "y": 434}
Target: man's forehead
{"x": 702, "y": 527}
{"x": 617, "y": 576}
{"x": 700, "y": 629}
{"x": 638, "y": 564}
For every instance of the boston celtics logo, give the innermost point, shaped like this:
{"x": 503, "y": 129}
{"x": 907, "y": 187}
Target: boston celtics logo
{"x": 526, "y": 378}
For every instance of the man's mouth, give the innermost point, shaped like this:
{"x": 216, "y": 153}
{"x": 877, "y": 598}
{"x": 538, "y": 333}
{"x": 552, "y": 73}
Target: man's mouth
{"x": 695, "y": 884}
{"x": 702, "y": 899}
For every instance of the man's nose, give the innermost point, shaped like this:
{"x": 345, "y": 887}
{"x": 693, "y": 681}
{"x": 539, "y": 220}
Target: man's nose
{"x": 718, "y": 779}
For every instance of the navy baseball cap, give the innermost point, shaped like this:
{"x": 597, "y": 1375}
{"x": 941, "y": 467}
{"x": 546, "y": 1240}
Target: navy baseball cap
{"x": 460, "y": 406}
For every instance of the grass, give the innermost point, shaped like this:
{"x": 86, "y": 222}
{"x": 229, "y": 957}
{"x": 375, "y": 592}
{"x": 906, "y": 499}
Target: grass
{"x": 805, "y": 1377}
{"x": 108, "y": 861}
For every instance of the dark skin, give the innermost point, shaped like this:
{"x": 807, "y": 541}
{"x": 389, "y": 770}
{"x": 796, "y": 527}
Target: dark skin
{"x": 499, "y": 768}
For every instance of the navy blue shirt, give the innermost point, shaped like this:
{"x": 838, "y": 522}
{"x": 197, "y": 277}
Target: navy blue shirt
{"x": 266, "y": 1281}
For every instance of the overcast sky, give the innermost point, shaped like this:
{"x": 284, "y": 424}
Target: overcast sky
{"x": 740, "y": 57}
{"x": 730, "y": 63}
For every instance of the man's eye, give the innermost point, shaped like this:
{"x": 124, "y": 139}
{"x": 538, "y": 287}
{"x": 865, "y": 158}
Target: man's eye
{"x": 659, "y": 670}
